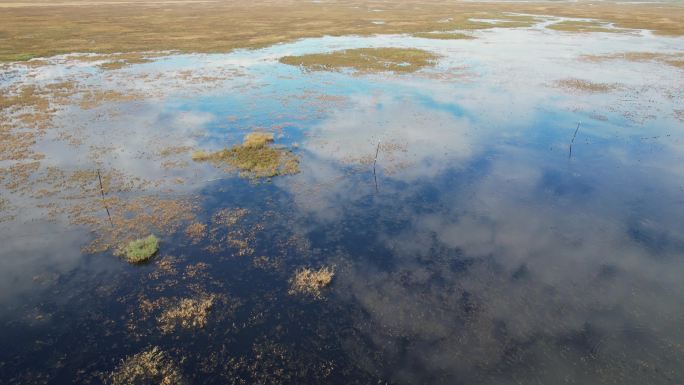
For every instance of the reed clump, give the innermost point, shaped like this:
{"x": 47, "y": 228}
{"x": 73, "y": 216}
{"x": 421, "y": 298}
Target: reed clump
{"x": 310, "y": 282}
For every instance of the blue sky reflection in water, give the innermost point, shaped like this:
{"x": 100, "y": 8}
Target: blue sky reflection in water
{"x": 485, "y": 255}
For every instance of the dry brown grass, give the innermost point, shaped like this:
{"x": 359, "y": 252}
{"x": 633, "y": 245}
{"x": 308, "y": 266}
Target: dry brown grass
{"x": 310, "y": 282}
{"x": 444, "y": 35}
{"x": 152, "y": 366}
{"x": 365, "y": 60}
{"x": 257, "y": 139}
{"x": 29, "y": 31}
{"x": 580, "y": 85}
{"x": 672, "y": 59}
{"x": 189, "y": 313}
{"x": 582, "y": 26}
{"x": 196, "y": 231}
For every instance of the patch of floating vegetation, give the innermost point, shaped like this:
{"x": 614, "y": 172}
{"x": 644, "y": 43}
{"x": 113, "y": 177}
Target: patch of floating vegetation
{"x": 255, "y": 157}
{"x": 582, "y": 26}
{"x": 672, "y": 59}
{"x": 141, "y": 250}
{"x": 132, "y": 216}
{"x": 310, "y": 282}
{"x": 366, "y": 60}
{"x": 124, "y": 60}
{"x": 196, "y": 231}
{"x": 444, "y": 35}
{"x": 153, "y": 366}
{"x": 580, "y": 85}
{"x": 189, "y": 313}
{"x": 679, "y": 114}
{"x": 96, "y": 98}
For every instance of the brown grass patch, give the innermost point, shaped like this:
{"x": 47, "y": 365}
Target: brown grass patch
{"x": 673, "y": 59}
{"x": 196, "y": 231}
{"x": 582, "y": 26}
{"x": 189, "y": 313}
{"x": 152, "y": 366}
{"x": 444, "y": 35}
{"x": 580, "y": 85}
{"x": 310, "y": 282}
{"x": 365, "y": 60}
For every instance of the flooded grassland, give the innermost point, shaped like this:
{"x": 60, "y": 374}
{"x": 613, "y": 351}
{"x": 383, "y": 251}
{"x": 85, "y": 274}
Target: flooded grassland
{"x": 491, "y": 200}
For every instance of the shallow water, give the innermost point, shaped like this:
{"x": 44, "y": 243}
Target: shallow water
{"x": 480, "y": 251}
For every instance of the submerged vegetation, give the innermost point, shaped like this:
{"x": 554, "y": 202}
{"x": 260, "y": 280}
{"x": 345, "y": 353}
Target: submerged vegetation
{"x": 153, "y": 366}
{"x": 444, "y": 35}
{"x": 580, "y": 85}
{"x": 365, "y": 60}
{"x": 310, "y": 282}
{"x": 141, "y": 250}
{"x": 255, "y": 157}
{"x": 190, "y": 313}
{"x": 672, "y": 59}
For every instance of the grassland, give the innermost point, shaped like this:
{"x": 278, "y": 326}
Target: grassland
{"x": 365, "y": 60}
{"x": 46, "y": 28}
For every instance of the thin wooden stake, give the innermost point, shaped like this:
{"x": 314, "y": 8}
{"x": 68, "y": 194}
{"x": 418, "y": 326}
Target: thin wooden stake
{"x": 573, "y": 139}
{"x": 104, "y": 203}
{"x": 375, "y": 161}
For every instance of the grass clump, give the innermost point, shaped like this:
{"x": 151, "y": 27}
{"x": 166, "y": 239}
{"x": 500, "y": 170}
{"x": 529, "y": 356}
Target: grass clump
{"x": 257, "y": 139}
{"x": 310, "y": 282}
{"x": 255, "y": 157}
{"x": 141, "y": 250}
{"x": 365, "y": 60}
{"x": 443, "y": 35}
{"x": 190, "y": 313}
{"x": 152, "y": 366}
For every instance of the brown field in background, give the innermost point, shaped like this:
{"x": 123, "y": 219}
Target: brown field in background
{"x": 44, "y": 28}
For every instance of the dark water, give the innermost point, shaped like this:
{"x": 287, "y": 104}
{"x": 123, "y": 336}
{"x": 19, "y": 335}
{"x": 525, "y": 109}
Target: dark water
{"x": 481, "y": 251}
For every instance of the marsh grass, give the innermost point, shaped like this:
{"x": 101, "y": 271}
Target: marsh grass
{"x": 255, "y": 157}
{"x": 443, "y": 35}
{"x": 152, "y": 366}
{"x": 141, "y": 250}
{"x": 124, "y": 60}
{"x": 365, "y": 60}
{"x": 582, "y": 26}
{"x": 672, "y": 59}
{"x": 189, "y": 313}
{"x": 28, "y": 31}
{"x": 580, "y": 85}
{"x": 310, "y": 282}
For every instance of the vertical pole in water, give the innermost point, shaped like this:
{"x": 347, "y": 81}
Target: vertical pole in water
{"x": 104, "y": 203}
{"x": 573, "y": 139}
{"x": 375, "y": 161}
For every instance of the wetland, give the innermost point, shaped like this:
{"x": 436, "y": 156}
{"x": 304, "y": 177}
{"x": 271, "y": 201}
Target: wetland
{"x": 341, "y": 193}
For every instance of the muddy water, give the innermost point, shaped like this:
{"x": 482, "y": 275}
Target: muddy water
{"x": 477, "y": 249}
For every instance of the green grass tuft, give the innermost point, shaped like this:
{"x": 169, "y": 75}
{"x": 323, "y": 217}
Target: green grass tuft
{"x": 142, "y": 249}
